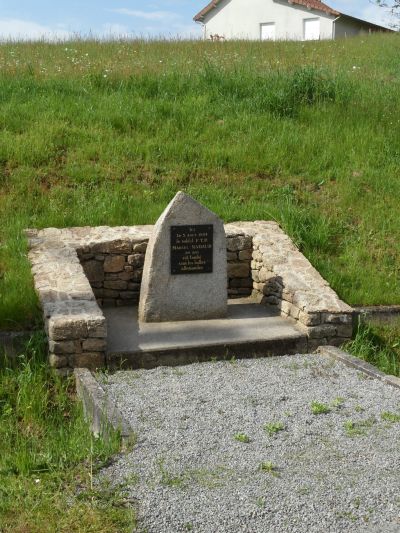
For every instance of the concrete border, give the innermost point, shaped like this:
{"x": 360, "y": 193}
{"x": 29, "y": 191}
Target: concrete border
{"x": 378, "y": 314}
{"x": 358, "y": 364}
{"x": 99, "y": 408}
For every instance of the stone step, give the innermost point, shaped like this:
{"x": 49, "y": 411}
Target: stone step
{"x": 250, "y": 330}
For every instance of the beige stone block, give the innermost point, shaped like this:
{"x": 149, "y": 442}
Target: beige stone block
{"x": 110, "y": 293}
{"x": 91, "y": 360}
{"x": 319, "y": 332}
{"x": 338, "y": 318}
{"x": 136, "y": 260}
{"x": 112, "y": 276}
{"x": 140, "y": 248}
{"x": 255, "y": 276}
{"x": 66, "y": 329}
{"x": 118, "y": 246}
{"x": 344, "y": 330}
{"x": 64, "y": 347}
{"x": 94, "y": 345}
{"x": 114, "y": 263}
{"x": 116, "y": 285}
{"x": 245, "y": 255}
{"x": 125, "y": 276}
{"x": 257, "y": 256}
{"x": 93, "y": 270}
{"x": 258, "y": 286}
{"x": 239, "y": 242}
{"x": 310, "y": 319}
{"x": 238, "y": 270}
{"x": 285, "y": 307}
{"x": 265, "y": 274}
{"x": 58, "y": 361}
{"x": 97, "y": 329}
{"x": 294, "y": 312}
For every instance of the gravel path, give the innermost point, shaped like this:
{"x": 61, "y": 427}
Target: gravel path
{"x": 193, "y": 469}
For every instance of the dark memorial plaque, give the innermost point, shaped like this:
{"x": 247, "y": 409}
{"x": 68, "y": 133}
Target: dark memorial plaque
{"x": 192, "y": 249}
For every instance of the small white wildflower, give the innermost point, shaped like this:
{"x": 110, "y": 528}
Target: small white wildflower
{"x": 37, "y": 481}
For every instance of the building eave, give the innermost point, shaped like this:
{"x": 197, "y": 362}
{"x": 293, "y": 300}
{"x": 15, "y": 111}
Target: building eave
{"x": 309, "y": 4}
{"x": 371, "y": 24}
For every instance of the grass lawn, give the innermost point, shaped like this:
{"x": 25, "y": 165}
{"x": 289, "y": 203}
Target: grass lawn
{"x": 48, "y": 455}
{"x": 379, "y": 344}
{"x": 305, "y": 133}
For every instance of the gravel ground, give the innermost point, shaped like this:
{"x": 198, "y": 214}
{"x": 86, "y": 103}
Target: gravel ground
{"x": 205, "y": 462}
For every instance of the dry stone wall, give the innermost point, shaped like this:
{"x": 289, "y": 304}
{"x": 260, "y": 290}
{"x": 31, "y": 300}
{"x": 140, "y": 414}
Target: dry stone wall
{"x": 78, "y": 270}
{"x": 283, "y": 277}
{"x": 114, "y": 269}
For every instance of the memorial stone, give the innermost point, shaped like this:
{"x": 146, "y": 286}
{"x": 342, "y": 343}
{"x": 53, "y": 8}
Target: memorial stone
{"x": 185, "y": 269}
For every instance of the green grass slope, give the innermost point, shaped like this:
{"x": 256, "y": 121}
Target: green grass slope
{"x": 305, "y": 133}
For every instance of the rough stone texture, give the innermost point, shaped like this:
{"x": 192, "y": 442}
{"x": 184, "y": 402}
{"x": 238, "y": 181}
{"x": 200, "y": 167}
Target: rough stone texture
{"x": 280, "y": 276}
{"x": 284, "y": 277}
{"x": 165, "y": 297}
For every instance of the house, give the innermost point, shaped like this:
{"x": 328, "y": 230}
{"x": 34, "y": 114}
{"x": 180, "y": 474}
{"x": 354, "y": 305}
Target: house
{"x": 297, "y": 20}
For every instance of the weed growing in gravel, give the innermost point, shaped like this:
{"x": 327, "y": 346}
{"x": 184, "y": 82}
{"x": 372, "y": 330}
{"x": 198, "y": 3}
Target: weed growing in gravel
{"x": 261, "y": 503}
{"x": 242, "y": 437}
{"x": 269, "y": 468}
{"x": 274, "y": 427}
{"x": 390, "y": 417}
{"x": 318, "y": 408}
{"x": 338, "y": 402}
{"x": 359, "y": 427}
{"x": 169, "y": 479}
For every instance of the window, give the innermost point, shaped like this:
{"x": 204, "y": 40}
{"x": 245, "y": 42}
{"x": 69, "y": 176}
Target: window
{"x": 268, "y": 31}
{"x": 311, "y": 29}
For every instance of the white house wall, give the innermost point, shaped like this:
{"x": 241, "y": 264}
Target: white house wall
{"x": 242, "y": 19}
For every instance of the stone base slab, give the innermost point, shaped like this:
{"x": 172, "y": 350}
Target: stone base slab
{"x": 249, "y": 330}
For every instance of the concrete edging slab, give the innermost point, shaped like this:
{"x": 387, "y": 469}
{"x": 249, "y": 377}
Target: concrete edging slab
{"x": 99, "y": 408}
{"x": 358, "y": 364}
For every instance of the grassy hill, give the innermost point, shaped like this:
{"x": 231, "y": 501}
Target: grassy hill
{"x": 306, "y": 133}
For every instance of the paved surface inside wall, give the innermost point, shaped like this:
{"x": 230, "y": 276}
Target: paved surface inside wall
{"x": 333, "y": 472}
{"x": 246, "y": 322}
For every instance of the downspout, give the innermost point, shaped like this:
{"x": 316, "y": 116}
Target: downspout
{"x": 334, "y": 27}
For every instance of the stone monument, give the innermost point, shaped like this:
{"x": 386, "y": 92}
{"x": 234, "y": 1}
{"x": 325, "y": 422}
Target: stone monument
{"x": 185, "y": 269}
